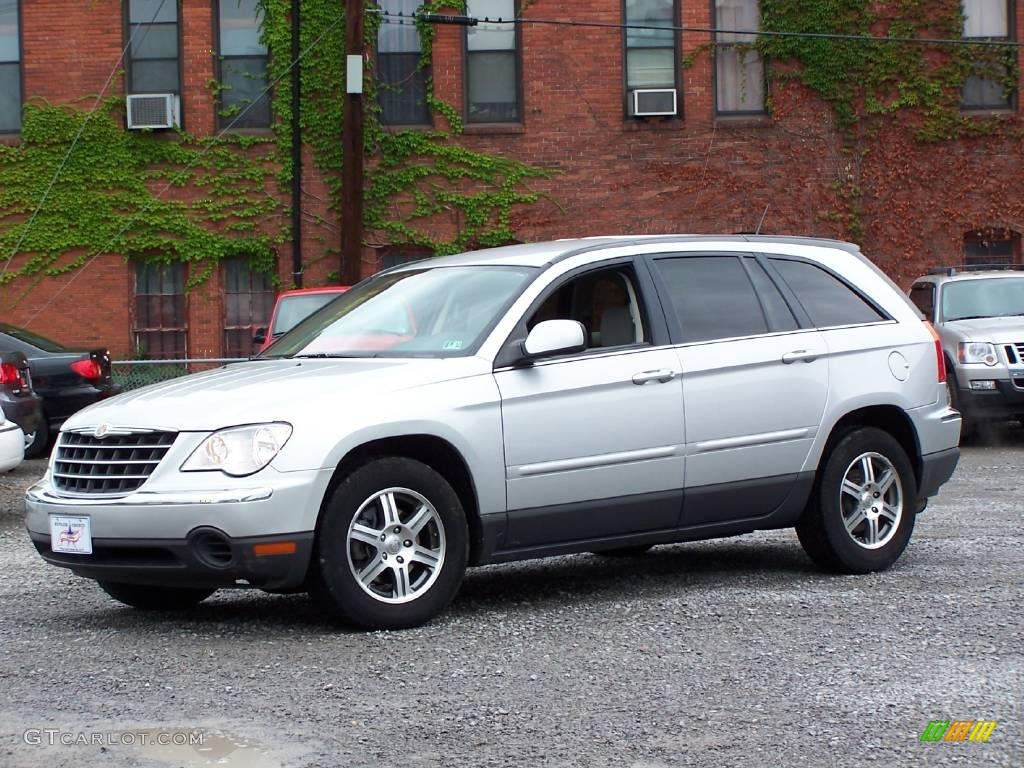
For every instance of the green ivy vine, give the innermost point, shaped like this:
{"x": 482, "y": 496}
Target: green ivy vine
{"x": 861, "y": 80}
{"x": 181, "y": 197}
{"x": 106, "y": 198}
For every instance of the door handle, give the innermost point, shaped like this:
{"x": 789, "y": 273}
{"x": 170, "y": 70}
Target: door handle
{"x": 661, "y": 375}
{"x": 799, "y": 354}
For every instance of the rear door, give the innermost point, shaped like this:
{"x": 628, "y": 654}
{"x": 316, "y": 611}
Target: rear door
{"x": 754, "y": 384}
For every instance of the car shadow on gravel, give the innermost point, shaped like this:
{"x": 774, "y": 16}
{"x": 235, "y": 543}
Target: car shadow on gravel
{"x": 664, "y": 572}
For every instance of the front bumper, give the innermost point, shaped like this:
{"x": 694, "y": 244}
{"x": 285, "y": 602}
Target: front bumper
{"x": 162, "y": 535}
{"x": 188, "y": 562}
{"x": 1006, "y": 401}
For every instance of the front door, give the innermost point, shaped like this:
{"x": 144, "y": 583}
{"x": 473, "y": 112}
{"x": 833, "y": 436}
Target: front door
{"x": 593, "y": 441}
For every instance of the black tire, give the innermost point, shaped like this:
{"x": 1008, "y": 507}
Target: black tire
{"x": 147, "y": 598}
{"x": 634, "y": 551}
{"x": 40, "y": 441}
{"x": 822, "y": 530}
{"x": 334, "y": 585}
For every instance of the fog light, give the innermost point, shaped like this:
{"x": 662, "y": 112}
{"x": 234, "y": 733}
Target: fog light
{"x": 983, "y": 384}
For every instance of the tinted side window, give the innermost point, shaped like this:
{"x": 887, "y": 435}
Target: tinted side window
{"x": 712, "y": 297}
{"x": 827, "y": 299}
{"x": 780, "y": 317}
{"x": 923, "y": 295}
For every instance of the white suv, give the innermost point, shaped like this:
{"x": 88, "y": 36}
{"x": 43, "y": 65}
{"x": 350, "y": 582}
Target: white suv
{"x": 602, "y": 395}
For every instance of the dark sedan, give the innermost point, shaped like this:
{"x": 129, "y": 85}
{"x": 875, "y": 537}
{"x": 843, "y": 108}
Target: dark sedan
{"x": 66, "y": 379}
{"x": 18, "y": 401}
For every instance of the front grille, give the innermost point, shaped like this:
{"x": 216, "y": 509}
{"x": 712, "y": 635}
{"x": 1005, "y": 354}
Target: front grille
{"x": 1015, "y": 348}
{"x": 108, "y": 465}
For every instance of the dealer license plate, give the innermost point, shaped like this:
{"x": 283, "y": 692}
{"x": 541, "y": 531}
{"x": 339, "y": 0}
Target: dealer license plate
{"x": 72, "y": 535}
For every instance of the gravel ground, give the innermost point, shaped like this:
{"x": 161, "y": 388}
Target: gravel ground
{"x": 735, "y": 652}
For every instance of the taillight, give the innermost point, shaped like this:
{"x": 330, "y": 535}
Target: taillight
{"x": 88, "y": 369}
{"x": 940, "y": 359}
{"x": 9, "y": 374}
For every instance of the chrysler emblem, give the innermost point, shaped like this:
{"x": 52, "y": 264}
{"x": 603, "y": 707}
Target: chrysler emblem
{"x": 101, "y": 430}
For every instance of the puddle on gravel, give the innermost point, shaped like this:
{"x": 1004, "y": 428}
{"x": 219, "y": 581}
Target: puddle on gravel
{"x": 198, "y": 748}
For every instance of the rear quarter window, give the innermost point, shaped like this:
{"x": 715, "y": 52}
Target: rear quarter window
{"x": 827, "y": 300}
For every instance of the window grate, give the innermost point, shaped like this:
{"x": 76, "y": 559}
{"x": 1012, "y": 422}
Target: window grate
{"x": 118, "y": 464}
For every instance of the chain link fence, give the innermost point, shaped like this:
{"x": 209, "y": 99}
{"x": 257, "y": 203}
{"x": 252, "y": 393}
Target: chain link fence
{"x": 132, "y": 374}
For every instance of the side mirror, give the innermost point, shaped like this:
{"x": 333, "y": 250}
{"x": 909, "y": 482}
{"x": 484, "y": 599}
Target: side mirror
{"x": 260, "y": 336}
{"x": 555, "y": 337}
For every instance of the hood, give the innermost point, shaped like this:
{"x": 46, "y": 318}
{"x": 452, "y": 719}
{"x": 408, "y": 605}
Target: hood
{"x": 998, "y": 330}
{"x": 267, "y": 390}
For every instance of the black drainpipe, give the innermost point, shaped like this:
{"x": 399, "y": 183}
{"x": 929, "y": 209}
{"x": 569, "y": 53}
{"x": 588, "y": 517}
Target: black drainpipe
{"x": 296, "y": 151}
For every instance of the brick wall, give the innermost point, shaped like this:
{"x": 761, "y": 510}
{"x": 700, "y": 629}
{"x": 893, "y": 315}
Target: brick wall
{"x": 697, "y": 173}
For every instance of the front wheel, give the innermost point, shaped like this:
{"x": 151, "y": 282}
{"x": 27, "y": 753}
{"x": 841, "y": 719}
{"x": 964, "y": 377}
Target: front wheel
{"x": 861, "y": 512}
{"x": 392, "y": 546}
{"x": 148, "y": 598}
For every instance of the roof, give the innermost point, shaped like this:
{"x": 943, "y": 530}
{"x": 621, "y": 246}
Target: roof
{"x": 540, "y": 254}
{"x": 973, "y": 274}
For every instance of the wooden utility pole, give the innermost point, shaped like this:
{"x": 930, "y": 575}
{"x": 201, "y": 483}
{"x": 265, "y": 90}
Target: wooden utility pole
{"x": 352, "y": 147}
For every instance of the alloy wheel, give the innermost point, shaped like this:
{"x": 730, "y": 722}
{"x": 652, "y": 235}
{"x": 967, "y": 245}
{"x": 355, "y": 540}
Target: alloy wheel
{"x": 396, "y": 545}
{"x": 871, "y": 500}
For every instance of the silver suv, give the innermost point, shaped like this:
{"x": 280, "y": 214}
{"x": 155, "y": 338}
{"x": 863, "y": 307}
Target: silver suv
{"x": 599, "y": 395}
{"x": 979, "y": 314}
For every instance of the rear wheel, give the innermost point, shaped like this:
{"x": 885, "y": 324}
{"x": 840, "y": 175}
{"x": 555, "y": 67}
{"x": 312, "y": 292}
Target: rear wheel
{"x": 392, "y": 547}
{"x": 148, "y": 598}
{"x": 861, "y": 512}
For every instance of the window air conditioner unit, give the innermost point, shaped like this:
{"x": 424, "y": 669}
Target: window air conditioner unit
{"x": 152, "y": 110}
{"x": 652, "y": 102}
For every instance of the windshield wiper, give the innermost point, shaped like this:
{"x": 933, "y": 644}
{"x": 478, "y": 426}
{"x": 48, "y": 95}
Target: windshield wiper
{"x": 323, "y": 355}
{"x": 971, "y": 317}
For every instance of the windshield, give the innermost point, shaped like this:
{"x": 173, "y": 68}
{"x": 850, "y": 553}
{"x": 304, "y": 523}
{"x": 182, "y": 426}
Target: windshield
{"x": 992, "y": 297}
{"x": 439, "y": 312}
{"x": 292, "y": 310}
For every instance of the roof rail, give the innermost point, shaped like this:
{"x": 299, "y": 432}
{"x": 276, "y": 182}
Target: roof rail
{"x": 975, "y": 268}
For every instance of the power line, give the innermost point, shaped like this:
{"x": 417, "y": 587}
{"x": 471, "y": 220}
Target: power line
{"x": 180, "y": 175}
{"x": 74, "y": 142}
{"x": 393, "y": 17}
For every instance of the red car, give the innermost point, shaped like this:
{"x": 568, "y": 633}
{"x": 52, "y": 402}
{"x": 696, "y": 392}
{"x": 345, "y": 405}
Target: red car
{"x": 291, "y": 308}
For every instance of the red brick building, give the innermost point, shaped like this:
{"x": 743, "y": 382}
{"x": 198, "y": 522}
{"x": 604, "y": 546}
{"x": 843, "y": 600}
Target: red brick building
{"x": 723, "y": 148}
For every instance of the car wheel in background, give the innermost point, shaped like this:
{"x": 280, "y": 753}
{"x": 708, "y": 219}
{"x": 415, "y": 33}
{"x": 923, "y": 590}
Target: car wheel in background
{"x": 37, "y": 442}
{"x": 147, "y": 598}
{"x": 861, "y": 512}
{"x": 392, "y": 546}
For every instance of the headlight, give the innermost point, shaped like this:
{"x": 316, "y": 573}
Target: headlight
{"x": 239, "y": 451}
{"x": 977, "y": 352}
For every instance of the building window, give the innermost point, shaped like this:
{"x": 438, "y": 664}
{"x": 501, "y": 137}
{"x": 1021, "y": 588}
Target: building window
{"x": 651, "y": 54}
{"x": 243, "y": 66}
{"x": 160, "y": 330}
{"x": 401, "y": 81}
{"x": 991, "y": 246}
{"x": 739, "y": 70}
{"x": 248, "y": 302}
{"x": 10, "y": 67}
{"x": 492, "y": 64}
{"x": 153, "y": 57}
{"x": 986, "y": 87}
